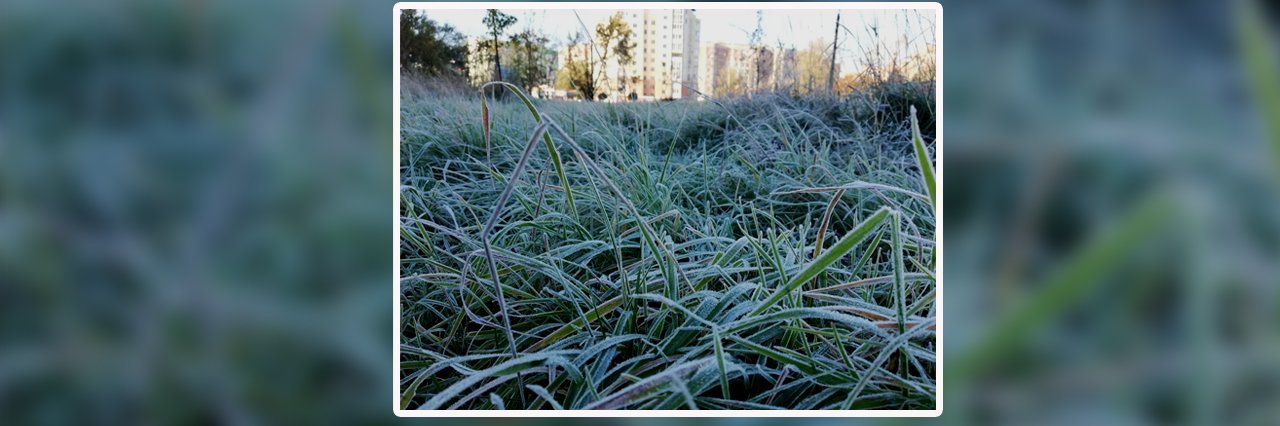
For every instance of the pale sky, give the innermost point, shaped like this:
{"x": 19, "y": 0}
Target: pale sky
{"x": 793, "y": 28}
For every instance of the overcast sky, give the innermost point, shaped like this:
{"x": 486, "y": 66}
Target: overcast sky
{"x": 790, "y": 27}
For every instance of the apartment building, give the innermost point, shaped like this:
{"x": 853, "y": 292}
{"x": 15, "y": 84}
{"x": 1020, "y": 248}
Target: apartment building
{"x": 734, "y": 69}
{"x": 665, "y": 61}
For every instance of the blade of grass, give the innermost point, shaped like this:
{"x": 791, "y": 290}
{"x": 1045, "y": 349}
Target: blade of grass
{"x": 1082, "y": 273}
{"x": 899, "y": 285}
{"x": 551, "y": 146}
{"x": 592, "y": 315}
{"x": 922, "y": 158}
{"x": 826, "y": 220}
{"x": 1258, "y": 52}
{"x": 542, "y": 393}
{"x": 839, "y": 250}
{"x": 512, "y": 366}
{"x": 488, "y": 251}
{"x": 724, "y": 374}
{"x": 643, "y": 387}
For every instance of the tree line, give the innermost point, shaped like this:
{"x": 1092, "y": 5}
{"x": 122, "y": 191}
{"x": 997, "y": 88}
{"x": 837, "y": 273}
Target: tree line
{"x": 434, "y": 49}
{"x": 596, "y": 63}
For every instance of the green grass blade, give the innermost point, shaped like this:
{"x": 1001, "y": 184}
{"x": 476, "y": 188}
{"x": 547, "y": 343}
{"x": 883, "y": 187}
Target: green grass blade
{"x": 1082, "y": 273}
{"x": 922, "y": 157}
{"x": 837, "y": 251}
{"x": 592, "y": 315}
{"x": 411, "y": 390}
{"x": 542, "y": 393}
{"x": 512, "y": 366}
{"x": 799, "y": 363}
{"x": 899, "y": 285}
{"x": 644, "y": 387}
{"x": 724, "y": 374}
{"x": 1258, "y": 52}
{"x": 546, "y": 137}
{"x": 488, "y": 250}
{"x": 827, "y": 313}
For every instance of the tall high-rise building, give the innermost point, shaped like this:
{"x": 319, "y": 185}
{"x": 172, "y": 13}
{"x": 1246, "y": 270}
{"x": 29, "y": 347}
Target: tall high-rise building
{"x": 665, "y": 60}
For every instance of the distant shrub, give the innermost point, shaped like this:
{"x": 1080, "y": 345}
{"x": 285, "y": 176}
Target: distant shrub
{"x": 893, "y": 102}
{"x": 416, "y": 84}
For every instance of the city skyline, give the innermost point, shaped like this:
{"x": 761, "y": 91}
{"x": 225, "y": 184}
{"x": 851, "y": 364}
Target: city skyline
{"x": 912, "y": 30}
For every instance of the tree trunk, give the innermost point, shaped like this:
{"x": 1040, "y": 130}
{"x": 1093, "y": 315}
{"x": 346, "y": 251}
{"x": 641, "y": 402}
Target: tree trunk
{"x": 527, "y": 74}
{"x": 497, "y": 64}
{"x": 835, "y": 44}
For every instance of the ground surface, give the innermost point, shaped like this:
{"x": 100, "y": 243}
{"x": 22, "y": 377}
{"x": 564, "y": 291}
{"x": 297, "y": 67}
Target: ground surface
{"x": 678, "y": 267}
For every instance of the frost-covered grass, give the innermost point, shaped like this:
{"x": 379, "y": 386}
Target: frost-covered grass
{"x": 765, "y": 253}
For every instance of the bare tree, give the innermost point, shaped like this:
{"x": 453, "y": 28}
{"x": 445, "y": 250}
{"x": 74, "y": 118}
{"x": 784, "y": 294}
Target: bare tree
{"x": 614, "y": 36}
{"x": 758, "y": 50}
{"x": 497, "y": 22}
{"x": 579, "y": 72}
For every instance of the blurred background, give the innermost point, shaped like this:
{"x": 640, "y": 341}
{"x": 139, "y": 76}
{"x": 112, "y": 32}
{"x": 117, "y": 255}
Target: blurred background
{"x": 196, "y": 213}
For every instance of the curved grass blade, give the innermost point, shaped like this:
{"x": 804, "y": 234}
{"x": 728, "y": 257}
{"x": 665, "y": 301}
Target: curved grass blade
{"x": 647, "y": 233}
{"x": 869, "y": 281}
{"x": 783, "y": 358}
{"x": 826, "y": 220}
{"x": 488, "y": 251}
{"x": 512, "y": 366}
{"x": 839, "y": 250}
{"x": 1083, "y": 272}
{"x": 497, "y": 401}
{"x": 827, "y": 313}
{"x": 411, "y": 391}
{"x": 541, "y": 392}
{"x": 646, "y": 386}
{"x": 856, "y": 185}
{"x": 551, "y": 146}
{"x": 889, "y": 348}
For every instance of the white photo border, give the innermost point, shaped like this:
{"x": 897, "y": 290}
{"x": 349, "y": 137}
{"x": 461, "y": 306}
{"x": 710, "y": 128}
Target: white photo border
{"x": 938, "y": 154}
